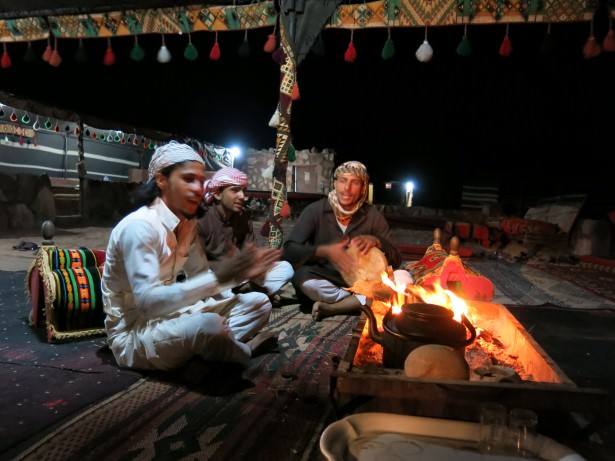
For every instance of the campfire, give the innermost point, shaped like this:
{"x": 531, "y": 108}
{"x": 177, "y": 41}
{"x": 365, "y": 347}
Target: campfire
{"x": 485, "y": 354}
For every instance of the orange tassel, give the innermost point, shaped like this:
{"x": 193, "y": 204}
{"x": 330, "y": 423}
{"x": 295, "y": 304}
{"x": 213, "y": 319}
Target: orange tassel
{"x": 295, "y": 95}
{"x": 109, "y": 58}
{"x": 505, "y": 47}
{"x": 47, "y": 53}
{"x": 608, "y": 44}
{"x": 270, "y": 44}
{"x": 351, "y": 53}
{"x": 214, "y": 55}
{"x": 591, "y": 49}
{"x": 5, "y": 62}
{"x": 55, "y": 59}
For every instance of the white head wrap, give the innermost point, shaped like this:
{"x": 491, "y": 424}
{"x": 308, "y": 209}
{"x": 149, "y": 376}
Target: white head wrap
{"x": 359, "y": 170}
{"x": 170, "y": 154}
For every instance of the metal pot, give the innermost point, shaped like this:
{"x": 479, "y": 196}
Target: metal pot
{"x": 418, "y": 324}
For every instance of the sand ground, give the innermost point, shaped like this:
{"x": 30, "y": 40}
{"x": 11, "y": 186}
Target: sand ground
{"x": 96, "y": 237}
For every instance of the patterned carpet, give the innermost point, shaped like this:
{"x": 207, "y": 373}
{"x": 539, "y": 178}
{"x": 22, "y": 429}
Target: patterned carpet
{"x": 533, "y": 285}
{"x": 253, "y": 413}
{"x": 72, "y": 404}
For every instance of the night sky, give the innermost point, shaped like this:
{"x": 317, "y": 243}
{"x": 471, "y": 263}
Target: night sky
{"x": 533, "y": 124}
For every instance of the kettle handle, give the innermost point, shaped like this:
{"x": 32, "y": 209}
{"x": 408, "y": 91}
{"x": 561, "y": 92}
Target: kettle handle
{"x": 471, "y": 328}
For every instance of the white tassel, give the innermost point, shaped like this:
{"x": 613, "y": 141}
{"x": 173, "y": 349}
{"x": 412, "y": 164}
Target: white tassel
{"x": 425, "y": 52}
{"x": 274, "y": 122}
{"x": 164, "y": 55}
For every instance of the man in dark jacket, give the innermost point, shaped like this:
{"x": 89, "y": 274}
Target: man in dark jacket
{"x": 318, "y": 241}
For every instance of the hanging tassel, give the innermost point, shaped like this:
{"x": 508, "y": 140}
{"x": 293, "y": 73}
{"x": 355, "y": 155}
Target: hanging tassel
{"x": 591, "y": 49}
{"x": 244, "y": 49}
{"x": 5, "y": 61}
{"x": 291, "y": 155}
{"x": 48, "y": 51}
{"x": 274, "y": 121}
{"x": 81, "y": 55}
{"x": 137, "y": 53}
{"x": 30, "y": 55}
{"x": 506, "y": 46}
{"x": 546, "y": 47}
{"x": 109, "y": 58}
{"x": 295, "y": 95}
{"x": 608, "y": 44}
{"x": 55, "y": 59}
{"x": 214, "y": 54}
{"x": 164, "y": 55}
{"x": 388, "y": 51}
{"x": 351, "y": 54}
{"x": 190, "y": 52}
{"x": 271, "y": 43}
{"x": 465, "y": 47}
{"x": 425, "y": 51}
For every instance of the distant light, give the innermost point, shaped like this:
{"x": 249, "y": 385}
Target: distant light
{"x": 409, "y": 191}
{"x": 235, "y": 151}
{"x": 388, "y": 185}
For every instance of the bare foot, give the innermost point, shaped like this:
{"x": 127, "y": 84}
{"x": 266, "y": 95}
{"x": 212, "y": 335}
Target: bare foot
{"x": 263, "y": 342}
{"x": 320, "y": 311}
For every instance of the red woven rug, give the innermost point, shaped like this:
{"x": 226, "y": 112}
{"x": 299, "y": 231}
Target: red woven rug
{"x": 599, "y": 282}
{"x": 253, "y": 413}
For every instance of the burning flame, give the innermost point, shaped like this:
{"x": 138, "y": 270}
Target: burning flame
{"x": 435, "y": 295}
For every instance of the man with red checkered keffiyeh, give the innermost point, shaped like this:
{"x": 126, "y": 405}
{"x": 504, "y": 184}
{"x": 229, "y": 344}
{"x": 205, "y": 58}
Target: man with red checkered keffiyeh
{"x": 225, "y": 227}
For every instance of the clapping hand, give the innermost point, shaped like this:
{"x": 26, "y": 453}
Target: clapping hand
{"x": 248, "y": 263}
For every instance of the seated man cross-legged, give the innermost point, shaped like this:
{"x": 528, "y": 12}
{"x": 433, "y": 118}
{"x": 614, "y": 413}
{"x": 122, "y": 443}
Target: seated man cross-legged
{"x": 225, "y": 228}
{"x": 164, "y": 306}
{"x": 317, "y": 245}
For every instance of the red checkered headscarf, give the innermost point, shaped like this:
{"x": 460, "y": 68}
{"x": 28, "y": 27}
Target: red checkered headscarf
{"x": 224, "y": 177}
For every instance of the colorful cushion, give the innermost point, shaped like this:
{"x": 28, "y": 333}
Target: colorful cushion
{"x": 64, "y": 287}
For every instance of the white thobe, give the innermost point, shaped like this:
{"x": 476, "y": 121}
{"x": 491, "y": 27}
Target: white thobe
{"x": 154, "y": 322}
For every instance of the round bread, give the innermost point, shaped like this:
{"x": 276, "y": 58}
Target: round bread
{"x": 436, "y": 361}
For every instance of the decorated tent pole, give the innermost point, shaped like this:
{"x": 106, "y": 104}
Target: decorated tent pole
{"x": 285, "y": 57}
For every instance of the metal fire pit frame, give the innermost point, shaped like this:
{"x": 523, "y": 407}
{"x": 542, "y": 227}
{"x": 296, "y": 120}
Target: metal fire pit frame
{"x": 387, "y": 389}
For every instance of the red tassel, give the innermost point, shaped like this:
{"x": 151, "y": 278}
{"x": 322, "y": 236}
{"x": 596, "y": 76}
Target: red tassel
{"x": 55, "y": 60}
{"x": 47, "y": 53}
{"x": 591, "y": 49}
{"x": 109, "y": 58}
{"x": 505, "y": 47}
{"x": 5, "y": 62}
{"x": 295, "y": 95}
{"x": 351, "y": 53}
{"x": 270, "y": 44}
{"x": 214, "y": 55}
{"x": 608, "y": 44}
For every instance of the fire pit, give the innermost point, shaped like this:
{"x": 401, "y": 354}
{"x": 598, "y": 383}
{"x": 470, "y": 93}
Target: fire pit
{"x": 501, "y": 340}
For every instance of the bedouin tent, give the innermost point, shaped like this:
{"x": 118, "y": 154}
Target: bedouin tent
{"x": 296, "y": 26}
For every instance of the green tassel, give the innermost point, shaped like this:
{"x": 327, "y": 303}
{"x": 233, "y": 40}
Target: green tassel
{"x": 388, "y": 51}
{"x": 190, "y": 52}
{"x": 547, "y": 44}
{"x": 290, "y": 155}
{"x": 81, "y": 55}
{"x": 30, "y": 55}
{"x": 137, "y": 53}
{"x": 244, "y": 49}
{"x": 464, "y": 48}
